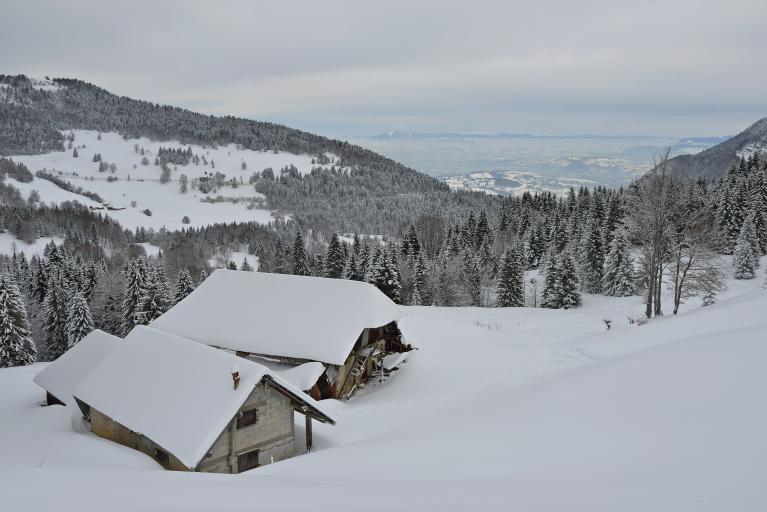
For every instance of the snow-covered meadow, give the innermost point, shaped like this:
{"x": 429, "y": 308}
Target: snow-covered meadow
{"x": 498, "y": 409}
{"x": 141, "y": 183}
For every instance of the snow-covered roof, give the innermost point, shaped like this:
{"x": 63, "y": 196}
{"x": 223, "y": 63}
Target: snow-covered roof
{"x": 303, "y": 376}
{"x": 61, "y": 376}
{"x": 177, "y": 393}
{"x": 311, "y": 318}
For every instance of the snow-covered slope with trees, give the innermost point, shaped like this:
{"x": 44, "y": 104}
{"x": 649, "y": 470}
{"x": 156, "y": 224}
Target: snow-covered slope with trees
{"x": 499, "y": 409}
{"x": 136, "y": 190}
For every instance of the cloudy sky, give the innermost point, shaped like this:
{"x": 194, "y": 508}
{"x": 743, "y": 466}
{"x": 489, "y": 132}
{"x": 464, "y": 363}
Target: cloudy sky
{"x": 668, "y": 67}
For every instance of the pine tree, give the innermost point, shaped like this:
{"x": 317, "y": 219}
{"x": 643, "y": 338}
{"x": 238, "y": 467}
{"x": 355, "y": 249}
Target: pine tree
{"x": 300, "y": 261}
{"x": 79, "y": 320}
{"x": 744, "y": 260}
{"x": 245, "y": 267}
{"x": 184, "y": 285}
{"x": 619, "y": 278}
{"x": 16, "y": 345}
{"x": 471, "y": 278}
{"x": 569, "y": 288}
{"x": 551, "y": 294}
{"x": 55, "y": 318}
{"x": 384, "y": 274}
{"x": 592, "y": 256}
{"x": 419, "y": 296}
{"x": 135, "y": 281}
{"x": 510, "y": 287}
{"x": 335, "y": 259}
{"x": 154, "y": 301}
{"x": 352, "y": 270}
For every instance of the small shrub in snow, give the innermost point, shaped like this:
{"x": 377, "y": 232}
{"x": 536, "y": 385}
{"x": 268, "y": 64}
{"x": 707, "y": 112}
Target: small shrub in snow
{"x": 147, "y": 212}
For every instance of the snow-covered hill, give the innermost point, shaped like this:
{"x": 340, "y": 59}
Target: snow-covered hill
{"x": 499, "y": 409}
{"x": 134, "y": 188}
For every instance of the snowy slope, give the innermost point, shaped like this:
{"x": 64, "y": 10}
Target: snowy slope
{"x": 499, "y": 409}
{"x": 167, "y": 203}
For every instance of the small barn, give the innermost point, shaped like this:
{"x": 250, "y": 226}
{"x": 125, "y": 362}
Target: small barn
{"x": 192, "y": 407}
{"x": 348, "y": 326}
{"x": 60, "y": 378}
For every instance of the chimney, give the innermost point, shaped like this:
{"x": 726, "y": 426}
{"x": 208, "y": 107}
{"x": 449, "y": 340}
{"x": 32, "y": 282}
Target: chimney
{"x": 235, "y": 376}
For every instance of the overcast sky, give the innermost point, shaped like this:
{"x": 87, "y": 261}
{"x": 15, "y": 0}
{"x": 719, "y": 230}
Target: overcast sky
{"x": 348, "y": 68}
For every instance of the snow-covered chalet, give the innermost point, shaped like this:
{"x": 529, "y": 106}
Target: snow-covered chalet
{"x": 192, "y": 407}
{"x": 348, "y": 326}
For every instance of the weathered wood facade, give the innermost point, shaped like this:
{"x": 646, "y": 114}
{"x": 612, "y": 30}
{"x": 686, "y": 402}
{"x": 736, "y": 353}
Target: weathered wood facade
{"x": 363, "y": 363}
{"x": 260, "y": 433}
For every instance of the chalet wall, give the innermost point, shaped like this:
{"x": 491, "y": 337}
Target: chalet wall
{"x": 104, "y": 426}
{"x": 272, "y": 435}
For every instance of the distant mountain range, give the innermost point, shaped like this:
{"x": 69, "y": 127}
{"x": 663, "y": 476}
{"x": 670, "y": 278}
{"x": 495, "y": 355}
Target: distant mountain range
{"x": 689, "y": 141}
{"x": 714, "y": 161}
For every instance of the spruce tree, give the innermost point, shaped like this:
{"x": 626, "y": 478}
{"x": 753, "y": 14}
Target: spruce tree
{"x": 592, "y": 256}
{"x": 16, "y": 345}
{"x": 744, "y": 260}
{"x": 300, "y": 261}
{"x": 203, "y": 277}
{"x": 619, "y": 278}
{"x": 384, "y": 274}
{"x": 154, "y": 301}
{"x": 184, "y": 285}
{"x": 568, "y": 284}
{"x": 245, "y": 267}
{"x": 419, "y": 296}
{"x": 352, "y": 270}
{"x": 551, "y": 293}
{"x": 55, "y": 318}
{"x": 135, "y": 281}
{"x": 510, "y": 288}
{"x": 335, "y": 259}
{"x": 79, "y": 320}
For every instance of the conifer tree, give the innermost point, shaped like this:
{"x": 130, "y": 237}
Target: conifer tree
{"x": 619, "y": 278}
{"x": 300, "y": 261}
{"x": 510, "y": 288}
{"x": 184, "y": 285}
{"x": 135, "y": 281}
{"x": 79, "y": 320}
{"x": 16, "y": 345}
{"x": 384, "y": 274}
{"x": 245, "y": 267}
{"x": 470, "y": 275}
{"x": 55, "y": 318}
{"x": 352, "y": 270}
{"x": 154, "y": 300}
{"x": 568, "y": 284}
{"x": 551, "y": 293}
{"x": 420, "y": 296}
{"x": 744, "y": 260}
{"x": 335, "y": 259}
{"x": 203, "y": 277}
{"x": 592, "y": 256}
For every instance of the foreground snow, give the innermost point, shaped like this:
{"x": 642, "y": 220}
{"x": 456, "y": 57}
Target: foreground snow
{"x": 512, "y": 409}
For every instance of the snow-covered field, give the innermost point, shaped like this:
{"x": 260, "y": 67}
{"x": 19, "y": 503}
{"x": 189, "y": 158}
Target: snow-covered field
{"x": 167, "y": 204}
{"x": 10, "y": 244}
{"x": 499, "y": 409}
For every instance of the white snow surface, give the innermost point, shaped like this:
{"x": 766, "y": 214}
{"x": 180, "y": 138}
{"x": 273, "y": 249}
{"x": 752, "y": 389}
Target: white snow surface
{"x": 61, "y": 377}
{"x": 167, "y": 204}
{"x": 178, "y": 393}
{"x": 311, "y": 318}
{"x": 303, "y": 376}
{"x": 498, "y": 409}
{"x": 10, "y": 244}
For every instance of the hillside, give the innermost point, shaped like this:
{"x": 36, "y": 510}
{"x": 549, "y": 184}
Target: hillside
{"x": 542, "y": 410}
{"x": 309, "y": 178}
{"x": 713, "y": 162}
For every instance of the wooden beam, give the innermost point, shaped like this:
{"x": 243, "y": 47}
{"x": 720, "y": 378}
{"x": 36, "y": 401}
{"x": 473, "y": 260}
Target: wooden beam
{"x": 309, "y": 439}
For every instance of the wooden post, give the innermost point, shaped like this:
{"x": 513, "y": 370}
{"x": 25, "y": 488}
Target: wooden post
{"x": 308, "y": 431}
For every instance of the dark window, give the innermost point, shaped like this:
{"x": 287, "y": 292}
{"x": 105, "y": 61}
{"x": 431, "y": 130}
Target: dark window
{"x": 247, "y": 418}
{"x": 161, "y": 456}
{"x": 247, "y": 461}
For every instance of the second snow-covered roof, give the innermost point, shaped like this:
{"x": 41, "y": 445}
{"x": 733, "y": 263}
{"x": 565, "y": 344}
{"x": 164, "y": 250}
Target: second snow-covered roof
{"x": 310, "y": 318}
{"x": 176, "y": 392}
{"x": 61, "y": 376}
